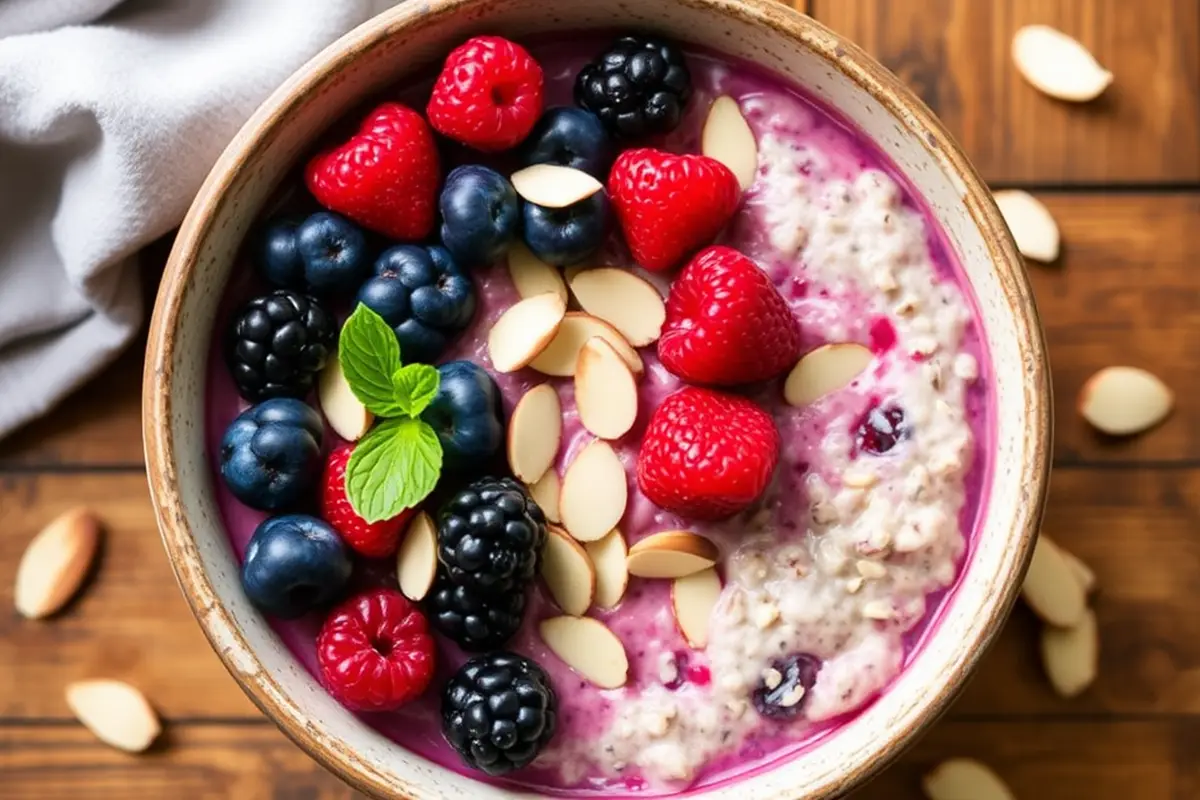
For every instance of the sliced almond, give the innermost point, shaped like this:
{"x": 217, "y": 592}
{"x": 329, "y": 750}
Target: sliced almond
{"x": 118, "y": 714}
{"x": 1083, "y": 573}
{"x": 594, "y": 492}
{"x": 727, "y": 138}
{"x": 1071, "y": 655}
{"x": 671, "y": 554}
{"x": 531, "y": 276}
{"x": 964, "y": 779}
{"x": 1125, "y": 400}
{"x": 588, "y": 647}
{"x": 570, "y": 272}
{"x": 1033, "y": 228}
{"x": 55, "y": 563}
{"x": 612, "y": 577}
{"x": 694, "y": 597}
{"x": 554, "y": 186}
{"x": 824, "y": 370}
{"x": 344, "y": 412}
{"x": 545, "y": 494}
{"x": 561, "y": 356}
{"x": 626, "y": 301}
{"x": 524, "y": 331}
{"x": 1051, "y": 588}
{"x": 606, "y": 393}
{"x": 1058, "y": 65}
{"x": 534, "y": 433}
{"x": 568, "y": 572}
{"x": 416, "y": 560}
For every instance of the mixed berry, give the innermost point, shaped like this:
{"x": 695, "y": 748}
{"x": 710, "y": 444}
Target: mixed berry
{"x": 369, "y": 294}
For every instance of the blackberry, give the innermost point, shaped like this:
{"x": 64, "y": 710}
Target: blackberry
{"x": 278, "y": 343}
{"x": 490, "y": 536}
{"x": 784, "y": 686}
{"x": 476, "y": 621}
{"x": 637, "y": 87}
{"x": 498, "y": 712}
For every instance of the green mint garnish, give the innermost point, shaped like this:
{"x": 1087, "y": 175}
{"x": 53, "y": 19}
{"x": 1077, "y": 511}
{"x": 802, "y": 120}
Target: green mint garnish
{"x": 397, "y": 464}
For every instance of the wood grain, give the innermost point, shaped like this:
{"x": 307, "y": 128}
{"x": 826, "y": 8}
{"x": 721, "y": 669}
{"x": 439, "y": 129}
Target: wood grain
{"x": 956, "y": 55}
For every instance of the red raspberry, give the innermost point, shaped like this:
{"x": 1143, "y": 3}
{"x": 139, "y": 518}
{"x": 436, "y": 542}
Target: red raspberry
{"x": 707, "y": 454}
{"x": 670, "y": 206}
{"x": 385, "y": 177}
{"x": 488, "y": 95}
{"x": 375, "y": 651}
{"x": 726, "y": 323}
{"x": 373, "y": 540}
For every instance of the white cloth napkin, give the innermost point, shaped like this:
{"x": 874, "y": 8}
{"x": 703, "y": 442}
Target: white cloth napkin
{"x": 111, "y": 113}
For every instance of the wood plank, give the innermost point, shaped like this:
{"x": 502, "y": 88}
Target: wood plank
{"x": 956, "y": 55}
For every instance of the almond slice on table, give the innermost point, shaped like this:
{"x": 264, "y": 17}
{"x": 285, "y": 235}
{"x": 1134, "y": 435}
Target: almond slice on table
{"x": 117, "y": 713}
{"x": 416, "y": 560}
{"x": 1058, "y": 65}
{"x": 55, "y": 563}
{"x": 594, "y": 492}
{"x": 671, "y": 554}
{"x": 824, "y": 370}
{"x": 727, "y": 138}
{"x": 1125, "y": 400}
{"x": 561, "y": 356}
{"x": 344, "y": 412}
{"x": 588, "y": 647}
{"x": 1071, "y": 655}
{"x": 605, "y": 391}
{"x": 524, "y": 331}
{"x": 964, "y": 779}
{"x": 1033, "y": 228}
{"x": 545, "y": 494}
{"x": 612, "y": 577}
{"x": 568, "y": 572}
{"x": 1051, "y": 588}
{"x": 1083, "y": 573}
{"x": 694, "y": 597}
{"x": 531, "y": 276}
{"x": 554, "y": 186}
{"x": 626, "y": 301}
{"x": 534, "y": 433}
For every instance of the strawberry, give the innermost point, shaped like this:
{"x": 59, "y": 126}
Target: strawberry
{"x": 385, "y": 177}
{"x": 669, "y": 206}
{"x": 373, "y": 540}
{"x": 488, "y": 95}
{"x": 707, "y": 454}
{"x": 726, "y": 324}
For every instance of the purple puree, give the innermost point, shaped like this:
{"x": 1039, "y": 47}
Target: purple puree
{"x": 644, "y": 620}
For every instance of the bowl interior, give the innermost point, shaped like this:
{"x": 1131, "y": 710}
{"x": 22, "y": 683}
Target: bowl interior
{"x": 409, "y": 40}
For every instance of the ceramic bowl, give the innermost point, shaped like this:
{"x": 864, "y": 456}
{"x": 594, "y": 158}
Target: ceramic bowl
{"x": 413, "y": 37}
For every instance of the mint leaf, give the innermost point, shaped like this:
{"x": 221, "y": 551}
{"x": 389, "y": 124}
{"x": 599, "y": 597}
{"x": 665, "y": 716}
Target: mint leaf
{"x": 415, "y": 385}
{"x": 392, "y": 468}
{"x": 370, "y": 356}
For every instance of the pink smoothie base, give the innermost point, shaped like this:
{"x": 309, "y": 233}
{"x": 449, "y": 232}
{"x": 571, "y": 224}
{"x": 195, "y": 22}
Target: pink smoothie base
{"x": 645, "y": 615}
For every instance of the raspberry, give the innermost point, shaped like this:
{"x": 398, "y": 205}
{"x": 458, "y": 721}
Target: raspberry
{"x": 375, "y": 651}
{"x": 488, "y": 95}
{"x": 373, "y": 540}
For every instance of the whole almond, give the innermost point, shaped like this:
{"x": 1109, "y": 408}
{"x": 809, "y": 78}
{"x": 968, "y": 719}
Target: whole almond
{"x": 117, "y": 713}
{"x": 55, "y": 563}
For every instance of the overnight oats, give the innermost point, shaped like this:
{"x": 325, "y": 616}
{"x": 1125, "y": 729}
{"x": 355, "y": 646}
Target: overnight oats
{"x": 604, "y": 417}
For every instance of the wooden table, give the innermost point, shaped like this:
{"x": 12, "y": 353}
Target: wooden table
{"x": 1122, "y": 176}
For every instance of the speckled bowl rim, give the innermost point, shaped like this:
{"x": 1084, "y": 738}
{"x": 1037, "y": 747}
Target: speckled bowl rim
{"x": 914, "y": 117}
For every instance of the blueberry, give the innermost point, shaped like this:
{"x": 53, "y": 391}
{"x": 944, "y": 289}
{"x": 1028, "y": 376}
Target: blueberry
{"x": 294, "y": 564}
{"x": 334, "y": 251}
{"x": 271, "y": 454}
{"x": 464, "y": 413}
{"x": 880, "y": 429}
{"x": 569, "y": 137}
{"x": 274, "y": 252}
{"x": 423, "y": 295}
{"x": 565, "y": 236}
{"x": 480, "y": 215}
{"x": 784, "y": 685}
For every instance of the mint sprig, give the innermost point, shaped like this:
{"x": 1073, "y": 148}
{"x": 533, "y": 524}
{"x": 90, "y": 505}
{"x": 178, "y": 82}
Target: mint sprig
{"x": 397, "y": 464}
